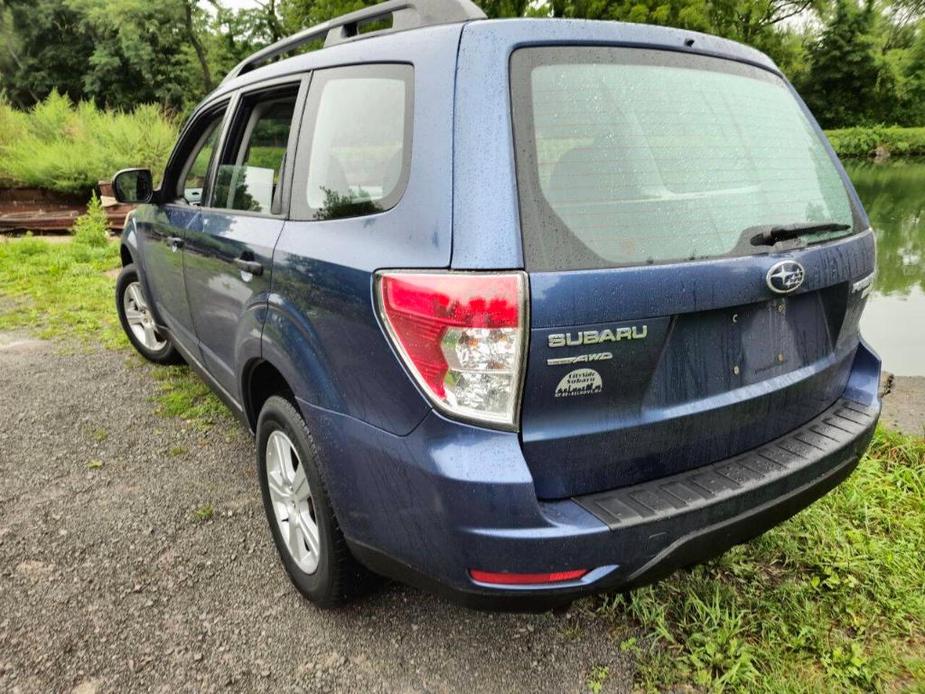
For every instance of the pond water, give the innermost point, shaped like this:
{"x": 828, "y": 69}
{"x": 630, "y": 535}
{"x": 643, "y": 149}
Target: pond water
{"x": 893, "y": 194}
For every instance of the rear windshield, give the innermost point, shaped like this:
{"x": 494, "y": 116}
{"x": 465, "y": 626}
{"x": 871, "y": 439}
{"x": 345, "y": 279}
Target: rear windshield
{"x": 633, "y": 156}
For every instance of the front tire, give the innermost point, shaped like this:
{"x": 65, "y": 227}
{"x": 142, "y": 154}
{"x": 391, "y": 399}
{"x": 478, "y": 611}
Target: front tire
{"x": 305, "y": 530}
{"x": 138, "y": 321}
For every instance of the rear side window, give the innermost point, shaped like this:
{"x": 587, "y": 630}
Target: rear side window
{"x": 359, "y": 142}
{"x": 632, "y": 156}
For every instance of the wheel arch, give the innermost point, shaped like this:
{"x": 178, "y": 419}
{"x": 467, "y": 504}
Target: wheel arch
{"x": 261, "y": 380}
{"x": 126, "y": 254}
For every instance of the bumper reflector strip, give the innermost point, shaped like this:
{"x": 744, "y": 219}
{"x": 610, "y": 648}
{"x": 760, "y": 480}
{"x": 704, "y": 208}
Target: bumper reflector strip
{"x": 508, "y": 579}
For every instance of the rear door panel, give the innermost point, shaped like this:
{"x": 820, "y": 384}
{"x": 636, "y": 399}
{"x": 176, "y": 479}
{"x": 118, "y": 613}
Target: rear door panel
{"x": 705, "y": 362}
{"x": 222, "y": 297}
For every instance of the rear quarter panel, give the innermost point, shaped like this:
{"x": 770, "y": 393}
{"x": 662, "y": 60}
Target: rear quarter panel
{"x": 322, "y": 331}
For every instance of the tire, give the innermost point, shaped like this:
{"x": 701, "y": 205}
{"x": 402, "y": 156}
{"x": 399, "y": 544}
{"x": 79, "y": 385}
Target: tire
{"x": 320, "y": 567}
{"x": 138, "y": 322}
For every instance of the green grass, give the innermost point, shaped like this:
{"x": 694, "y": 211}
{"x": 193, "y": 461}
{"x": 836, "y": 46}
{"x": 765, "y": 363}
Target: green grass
{"x": 832, "y": 600}
{"x": 184, "y": 395}
{"x": 61, "y": 291}
{"x": 204, "y": 513}
{"x": 865, "y": 141}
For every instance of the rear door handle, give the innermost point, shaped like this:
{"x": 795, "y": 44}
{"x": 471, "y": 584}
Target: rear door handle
{"x": 249, "y": 266}
{"x": 175, "y": 242}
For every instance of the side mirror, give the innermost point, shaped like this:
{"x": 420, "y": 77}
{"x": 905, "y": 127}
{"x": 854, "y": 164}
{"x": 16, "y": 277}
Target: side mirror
{"x": 133, "y": 186}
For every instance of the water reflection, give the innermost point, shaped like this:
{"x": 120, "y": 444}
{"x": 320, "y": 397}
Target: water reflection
{"x": 893, "y": 194}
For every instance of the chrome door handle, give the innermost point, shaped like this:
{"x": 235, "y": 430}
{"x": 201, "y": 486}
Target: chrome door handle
{"x": 176, "y": 243}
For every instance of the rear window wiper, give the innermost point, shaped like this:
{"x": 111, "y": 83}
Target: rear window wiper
{"x": 770, "y": 234}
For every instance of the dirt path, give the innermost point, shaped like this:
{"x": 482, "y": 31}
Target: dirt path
{"x": 108, "y": 582}
{"x": 904, "y": 404}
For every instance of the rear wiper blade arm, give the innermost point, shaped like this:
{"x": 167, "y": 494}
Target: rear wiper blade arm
{"x": 772, "y": 233}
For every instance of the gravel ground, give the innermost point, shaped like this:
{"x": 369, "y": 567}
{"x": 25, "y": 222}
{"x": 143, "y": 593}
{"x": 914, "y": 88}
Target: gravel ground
{"x": 109, "y": 582}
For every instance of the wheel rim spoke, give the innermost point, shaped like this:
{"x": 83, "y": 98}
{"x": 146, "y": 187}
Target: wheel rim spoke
{"x": 295, "y": 541}
{"x": 137, "y": 297}
{"x": 285, "y": 458}
{"x": 300, "y": 490}
{"x": 150, "y": 336}
{"x": 310, "y": 532}
{"x": 278, "y": 491}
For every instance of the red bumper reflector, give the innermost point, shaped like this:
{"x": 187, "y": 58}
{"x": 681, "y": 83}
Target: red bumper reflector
{"x": 512, "y": 579}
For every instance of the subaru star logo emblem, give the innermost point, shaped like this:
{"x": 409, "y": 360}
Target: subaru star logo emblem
{"x": 785, "y": 276}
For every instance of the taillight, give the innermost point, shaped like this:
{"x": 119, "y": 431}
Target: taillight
{"x": 462, "y": 336}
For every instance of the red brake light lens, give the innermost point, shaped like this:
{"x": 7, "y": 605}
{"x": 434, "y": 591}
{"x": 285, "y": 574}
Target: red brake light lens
{"x": 462, "y": 335}
{"x": 503, "y": 578}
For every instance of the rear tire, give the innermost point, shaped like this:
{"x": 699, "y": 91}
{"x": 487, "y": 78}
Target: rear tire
{"x": 138, "y": 322}
{"x": 305, "y": 530}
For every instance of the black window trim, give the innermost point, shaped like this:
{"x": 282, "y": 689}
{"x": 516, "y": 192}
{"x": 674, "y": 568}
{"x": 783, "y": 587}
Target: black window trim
{"x": 236, "y": 109}
{"x": 187, "y": 143}
{"x": 299, "y": 208}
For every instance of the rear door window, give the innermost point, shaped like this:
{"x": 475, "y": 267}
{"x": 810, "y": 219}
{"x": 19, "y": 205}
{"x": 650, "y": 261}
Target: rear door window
{"x": 631, "y": 156}
{"x": 250, "y": 176}
{"x": 359, "y": 135}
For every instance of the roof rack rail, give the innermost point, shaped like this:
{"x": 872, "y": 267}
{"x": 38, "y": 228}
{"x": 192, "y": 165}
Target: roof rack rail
{"x": 406, "y": 14}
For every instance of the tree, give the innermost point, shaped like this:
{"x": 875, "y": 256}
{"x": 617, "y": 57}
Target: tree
{"x": 842, "y": 81}
{"x": 236, "y": 34}
{"x": 915, "y": 79}
{"x": 43, "y": 43}
{"x": 142, "y": 52}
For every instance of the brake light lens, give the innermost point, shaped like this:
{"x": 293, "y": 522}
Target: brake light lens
{"x": 462, "y": 336}
{"x": 504, "y": 578}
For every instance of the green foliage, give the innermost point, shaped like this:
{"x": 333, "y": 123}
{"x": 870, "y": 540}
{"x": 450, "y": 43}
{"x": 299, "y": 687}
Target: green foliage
{"x": 868, "y": 141}
{"x": 867, "y": 65}
{"x": 843, "y": 62}
{"x": 915, "y": 86}
{"x": 597, "y": 678}
{"x": 35, "y": 60}
{"x": 143, "y": 52}
{"x": 830, "y": 601}
{"x": 69, "y": 148}
{"x": 92, "y": 228}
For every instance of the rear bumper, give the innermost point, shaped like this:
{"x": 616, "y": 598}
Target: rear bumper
{"x": 701, "y": 513}
{"x": 428, "y": 507}
{"x": 652, "y": 529}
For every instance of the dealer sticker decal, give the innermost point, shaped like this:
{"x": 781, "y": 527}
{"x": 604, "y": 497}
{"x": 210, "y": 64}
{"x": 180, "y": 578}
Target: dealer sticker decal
{"x": 579, "y": 382}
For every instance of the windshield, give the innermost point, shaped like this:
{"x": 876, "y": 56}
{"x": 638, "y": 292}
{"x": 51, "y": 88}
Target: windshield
{"x": 630, "y": 156}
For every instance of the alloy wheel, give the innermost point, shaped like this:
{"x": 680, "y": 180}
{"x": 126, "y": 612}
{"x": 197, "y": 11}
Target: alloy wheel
{"x": 293, "y": 506}
{"x": 139, "y": 318}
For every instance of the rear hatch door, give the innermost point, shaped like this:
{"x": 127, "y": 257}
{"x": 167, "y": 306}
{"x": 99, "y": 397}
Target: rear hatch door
{"x": 663, "y": 338}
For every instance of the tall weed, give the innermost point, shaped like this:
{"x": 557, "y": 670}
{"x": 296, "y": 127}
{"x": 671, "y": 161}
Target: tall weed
{"x": 69, "y": 148}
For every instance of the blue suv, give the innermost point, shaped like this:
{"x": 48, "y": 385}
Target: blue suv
{"x": 517, "y": 310}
